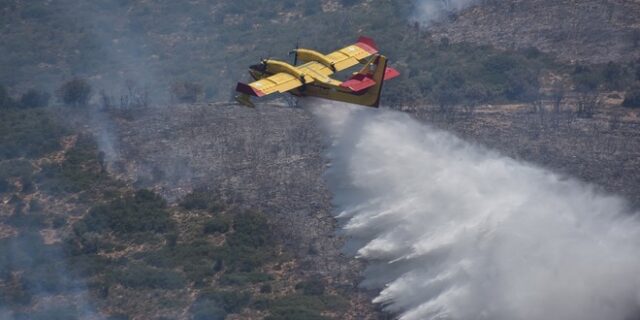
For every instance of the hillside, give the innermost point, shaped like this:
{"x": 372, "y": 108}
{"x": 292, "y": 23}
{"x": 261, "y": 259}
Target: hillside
{"x": 246, "y": 233}
{"x": 130, "y": 188}
{"x": 150, "y": 48}
{"x": 584, "y": 31}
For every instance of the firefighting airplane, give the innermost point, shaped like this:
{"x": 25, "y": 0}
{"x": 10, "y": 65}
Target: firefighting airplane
{"x": 312, "y": 77}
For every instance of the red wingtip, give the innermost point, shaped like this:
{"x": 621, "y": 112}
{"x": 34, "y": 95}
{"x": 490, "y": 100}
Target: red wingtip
{"x": 367, "y": 44}
{"x": 247, "y": 89}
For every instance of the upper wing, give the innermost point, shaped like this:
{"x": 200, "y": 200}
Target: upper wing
{"x": 315, "y": 69}
{"x": 279, "y": 82}
{"x": 350, "y": 56}
{"x": 318, "y": 72}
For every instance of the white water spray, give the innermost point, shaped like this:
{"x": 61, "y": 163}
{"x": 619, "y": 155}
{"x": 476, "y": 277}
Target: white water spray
{"x": 454, "y": 231}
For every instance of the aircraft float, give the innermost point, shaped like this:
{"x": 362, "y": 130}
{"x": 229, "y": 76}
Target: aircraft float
{"x": 312, "y": 77}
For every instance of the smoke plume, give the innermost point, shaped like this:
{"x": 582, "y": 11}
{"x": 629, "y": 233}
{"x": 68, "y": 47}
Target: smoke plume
{"x": 455, "y": 231}
{"x": 430, "y": 11}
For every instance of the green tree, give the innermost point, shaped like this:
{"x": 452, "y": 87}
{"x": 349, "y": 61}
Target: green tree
{"x": 5, "y": 99}
{"x": 613, "y": 76}
{"x": 144, "y": 211}
{"x": 632, "y": 98}
{"x": 311, "y": 7}
{"x": 75, "y": 92}
{"x": 585, "y": 79}
{"x": 34, "y": 99}
{"x": 348, "y": 3}
{"x": 186, "y": 91}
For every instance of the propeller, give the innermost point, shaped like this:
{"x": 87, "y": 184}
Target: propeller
{"x": 264, "y": 60}
{"x": 295, "y": 53}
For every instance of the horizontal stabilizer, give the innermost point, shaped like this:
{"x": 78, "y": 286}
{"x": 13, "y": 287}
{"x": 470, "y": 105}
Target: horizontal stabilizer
{"x": 359, "y": 82}
{"x": 390, "y": 73}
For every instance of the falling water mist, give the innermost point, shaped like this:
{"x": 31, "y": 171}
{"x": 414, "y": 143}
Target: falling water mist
{"x": 455, "y": 231}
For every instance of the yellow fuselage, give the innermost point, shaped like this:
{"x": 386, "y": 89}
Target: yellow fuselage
{"x": 319, "y": 85}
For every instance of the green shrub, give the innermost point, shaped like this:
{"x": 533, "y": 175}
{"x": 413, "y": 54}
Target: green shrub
{"x": 311, "y": 7}
{"x": 195, "y": 201}
{"x": 53, "y": 313}
{"x": 171, "y": 239}
{"x": 28, "y": 133}
{"x": 632, "y": 97}
{"x": 144, "y": 211}
{"x": 89, "y": 264}
{"x": 58, "y": 222}
{"x": 35, "y": 11}
{"x": 186, "y": 91}
{"x": 304, "y": 306}
{"x": 206, "y": 311}
{"x": 348, "y": 3}
{"x": 48, "y": 278}
{"x": 139, "y": 276}
{"x": 5, "y": 99}
{"x": 294, "y": 313}
{"x": 242, "y": 278}
{"x": 5, "y": 186}
{"x": 246, "y": 259}
{"x": 314, "y": 287}
{"x": 586, "y": 79}
{"x": 266, "y": 288}
{"x": 26, "y": 251}
{"x": 75, "y": 92}
{"x": 34, "y": 99}
{"x": 182, "y": 254}
{"x": 229, "y": 301}
{"x": 199, "y": 260}
{"x": 16, "y": 168}
{"x": 16, "y": 295}
{"x": 198, "y": 273}
{"x": 613, "y": 76}
{"x": 202, "y": 200}
{"x": 220, "y": 224}
{"x": 41, "y": 268}
{"x": 251, "y": 229}
{"x": 81, "y": 170}
{"x": 31, "y": 220}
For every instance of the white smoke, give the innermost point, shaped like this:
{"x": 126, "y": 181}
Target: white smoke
{"x": 430, "y": 11}
{"x": 454, "y": 231}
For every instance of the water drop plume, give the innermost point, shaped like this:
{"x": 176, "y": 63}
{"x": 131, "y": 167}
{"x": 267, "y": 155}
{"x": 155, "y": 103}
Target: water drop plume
{"x": 456, "y": 231}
